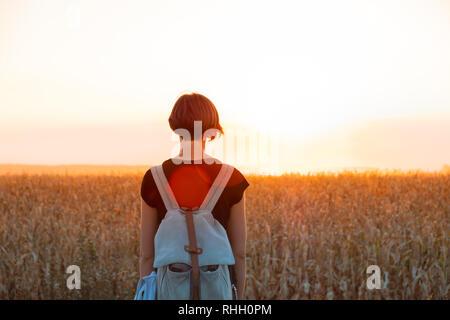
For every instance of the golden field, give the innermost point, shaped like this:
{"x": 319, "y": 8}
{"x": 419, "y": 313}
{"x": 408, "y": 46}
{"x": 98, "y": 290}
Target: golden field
{"x": 309, "y": 236}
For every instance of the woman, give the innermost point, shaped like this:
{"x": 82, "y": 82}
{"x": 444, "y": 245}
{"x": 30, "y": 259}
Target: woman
{"x": 190, "y": 182}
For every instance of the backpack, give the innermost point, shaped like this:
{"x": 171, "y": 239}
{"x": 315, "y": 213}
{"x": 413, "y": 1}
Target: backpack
{"x": 146, "y": 288}
{"x": 193, "y": 238}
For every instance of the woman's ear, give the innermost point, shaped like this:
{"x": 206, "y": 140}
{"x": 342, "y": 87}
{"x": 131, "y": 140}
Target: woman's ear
{"x": 210, "y": 134}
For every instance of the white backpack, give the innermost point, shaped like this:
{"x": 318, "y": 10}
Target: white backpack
{"x": 194, "y": 239}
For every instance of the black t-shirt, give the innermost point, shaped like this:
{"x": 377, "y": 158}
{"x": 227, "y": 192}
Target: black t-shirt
{"x": 190, "y": 184}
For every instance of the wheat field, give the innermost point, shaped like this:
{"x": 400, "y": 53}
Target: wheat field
{"x": 309, "y": 236}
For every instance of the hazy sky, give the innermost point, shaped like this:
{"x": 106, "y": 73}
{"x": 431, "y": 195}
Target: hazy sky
{"x": 341, "y": 83}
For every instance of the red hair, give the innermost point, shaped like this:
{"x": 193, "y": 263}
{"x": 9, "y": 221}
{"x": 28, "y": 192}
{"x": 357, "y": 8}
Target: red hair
{"x": 194, "y": 107}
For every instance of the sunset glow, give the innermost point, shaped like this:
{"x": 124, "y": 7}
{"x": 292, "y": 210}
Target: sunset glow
{"x": 334, "y": 84}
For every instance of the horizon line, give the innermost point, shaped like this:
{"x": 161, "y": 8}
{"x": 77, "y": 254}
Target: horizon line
{"x": 445, "y": 168}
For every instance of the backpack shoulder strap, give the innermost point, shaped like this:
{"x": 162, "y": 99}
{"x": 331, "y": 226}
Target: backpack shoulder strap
{"x": 164, "y": 188}
{"x": 217, "y": 187}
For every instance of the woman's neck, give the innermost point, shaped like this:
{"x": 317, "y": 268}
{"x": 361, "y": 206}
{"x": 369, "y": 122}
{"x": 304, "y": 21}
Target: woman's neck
{"x": 193, "y": 150}
{"x": 192, "y": 155}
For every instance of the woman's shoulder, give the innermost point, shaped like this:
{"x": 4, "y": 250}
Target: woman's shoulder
{"x": 148, "y": 181}
{"x": 236, "y": 186}
{"x": 148, "y": 189}
{"x": 166, "y": 164}
{"x": 236, "y": 177}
